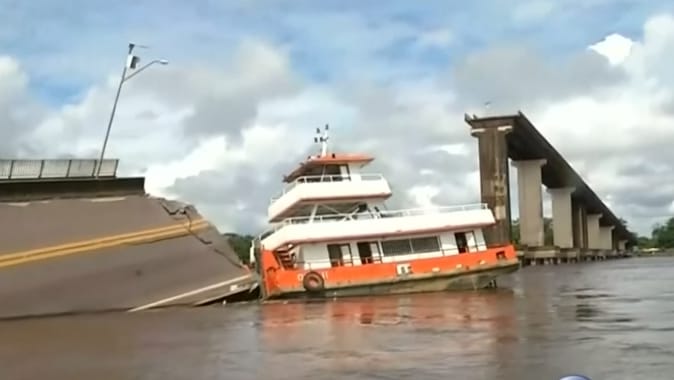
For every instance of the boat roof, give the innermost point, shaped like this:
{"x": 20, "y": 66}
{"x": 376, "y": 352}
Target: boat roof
{"x": 329, "y": 159}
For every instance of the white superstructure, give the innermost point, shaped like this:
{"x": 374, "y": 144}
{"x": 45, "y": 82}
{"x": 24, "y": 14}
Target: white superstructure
{"x": 331, "y": 199}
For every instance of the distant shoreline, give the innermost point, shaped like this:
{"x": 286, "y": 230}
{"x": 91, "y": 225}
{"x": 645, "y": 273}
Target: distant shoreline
{"x": 666, "y": 253}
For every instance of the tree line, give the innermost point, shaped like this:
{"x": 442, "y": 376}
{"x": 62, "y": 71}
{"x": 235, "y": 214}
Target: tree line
{"x": 662, "y": 236}
{"x": 241, "y": 245}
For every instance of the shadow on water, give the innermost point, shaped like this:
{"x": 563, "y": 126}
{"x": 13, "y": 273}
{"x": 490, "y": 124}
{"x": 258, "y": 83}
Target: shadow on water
{"x": 611, "y": 320}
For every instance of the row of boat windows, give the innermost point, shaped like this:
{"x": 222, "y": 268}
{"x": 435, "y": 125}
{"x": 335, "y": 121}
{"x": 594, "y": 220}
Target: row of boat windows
{"x": 410, "y": 246}
{"x": 372, "y": 251}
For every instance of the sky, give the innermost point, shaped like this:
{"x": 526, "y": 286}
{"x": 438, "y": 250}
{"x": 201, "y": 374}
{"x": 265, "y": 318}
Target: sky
{"x": 249, "y": 81}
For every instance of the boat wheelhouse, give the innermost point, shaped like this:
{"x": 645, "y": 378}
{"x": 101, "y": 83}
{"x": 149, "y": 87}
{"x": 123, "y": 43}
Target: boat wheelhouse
{"x": 332, "y": 236}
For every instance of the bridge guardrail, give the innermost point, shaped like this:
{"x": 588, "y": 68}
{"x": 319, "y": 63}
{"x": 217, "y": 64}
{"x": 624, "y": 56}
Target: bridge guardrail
{"x": 57, "y": 168}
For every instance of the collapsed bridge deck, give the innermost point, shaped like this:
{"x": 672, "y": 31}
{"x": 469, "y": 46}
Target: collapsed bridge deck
{"x": 82, "y": 245}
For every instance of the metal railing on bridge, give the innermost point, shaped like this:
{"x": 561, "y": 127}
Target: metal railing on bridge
{"x": 56, "y": 168}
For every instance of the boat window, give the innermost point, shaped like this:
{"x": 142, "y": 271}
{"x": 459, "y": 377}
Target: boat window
{"x": 367, "y": 250}
{"x": 346, "y": 174}
{"x": 461, "y": 242}
{"x": 335, "y": 255}
{"x": 332, "y": 173}
{"x": 396, "y": 247}
{"x": 472, "y": 241}
{"x": 340, "y": 254}
{"x": 425, "y": 244}
{"x": 347, "y": 256}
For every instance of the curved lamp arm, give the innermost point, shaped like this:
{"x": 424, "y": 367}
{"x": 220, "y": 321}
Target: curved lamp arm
{"x": 160, "y": 61}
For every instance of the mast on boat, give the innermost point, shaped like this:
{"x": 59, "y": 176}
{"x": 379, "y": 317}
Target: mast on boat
{"x": 322, "y": 139}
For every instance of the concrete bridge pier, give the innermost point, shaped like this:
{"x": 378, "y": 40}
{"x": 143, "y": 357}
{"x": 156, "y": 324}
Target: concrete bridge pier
{"x": 594, "y": 243}
{"x": 622, "y": 245}
{"x": 530, "y": 202}
{"x": 606, "y": 240}
{"x": 529, "y": 188}
{"x": 563, "y": 226}
{"x": 494, "y": 180}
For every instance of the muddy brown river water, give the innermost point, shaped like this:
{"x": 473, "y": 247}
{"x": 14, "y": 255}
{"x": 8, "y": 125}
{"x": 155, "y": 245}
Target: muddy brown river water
{"x": 609, "y": 320}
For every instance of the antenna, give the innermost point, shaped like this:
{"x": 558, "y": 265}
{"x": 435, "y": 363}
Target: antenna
{"x": 323, "y": 139}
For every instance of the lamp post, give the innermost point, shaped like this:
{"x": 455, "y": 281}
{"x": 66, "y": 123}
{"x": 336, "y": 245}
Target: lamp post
{"x": 131, "y": 63}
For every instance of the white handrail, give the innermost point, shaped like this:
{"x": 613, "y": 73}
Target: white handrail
{"x": 55, "y": 168}
{"x": 381, "y": 214}
{"x": 328, "y": 178}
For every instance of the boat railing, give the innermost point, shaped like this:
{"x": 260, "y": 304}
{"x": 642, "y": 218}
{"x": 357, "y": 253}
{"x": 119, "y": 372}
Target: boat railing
{"x": 328, "y": 178}
{"x": 381, "y": 214}
{"x": 57, "y": 168}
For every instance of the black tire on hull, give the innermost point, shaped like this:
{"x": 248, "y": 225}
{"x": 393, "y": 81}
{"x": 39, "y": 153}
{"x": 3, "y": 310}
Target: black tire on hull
{"x": 313, "y": 282}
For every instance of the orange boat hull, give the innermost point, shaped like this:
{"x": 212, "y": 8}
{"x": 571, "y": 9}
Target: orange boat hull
{"x": 466, "y": 271}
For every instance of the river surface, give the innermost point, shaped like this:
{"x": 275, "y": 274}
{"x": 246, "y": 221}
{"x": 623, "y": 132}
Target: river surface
{"x": 608, "y": 320}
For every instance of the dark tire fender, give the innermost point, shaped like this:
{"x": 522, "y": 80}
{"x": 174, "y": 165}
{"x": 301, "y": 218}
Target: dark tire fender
{"x": 313, "y": 282}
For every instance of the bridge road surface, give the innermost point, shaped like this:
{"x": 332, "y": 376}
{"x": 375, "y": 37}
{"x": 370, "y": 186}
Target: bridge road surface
{"x": 152, "y": 270}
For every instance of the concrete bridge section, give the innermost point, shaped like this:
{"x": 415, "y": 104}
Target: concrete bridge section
{"x": 72, "y": 242}
{"x": 584, "y": 228}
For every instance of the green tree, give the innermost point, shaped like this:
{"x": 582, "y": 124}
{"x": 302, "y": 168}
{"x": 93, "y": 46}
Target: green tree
{"x": 644, "y": 242}
{"x": 241, "y": 245}
{"x": 663, "y": 234}
{"x": 633, "y": 236}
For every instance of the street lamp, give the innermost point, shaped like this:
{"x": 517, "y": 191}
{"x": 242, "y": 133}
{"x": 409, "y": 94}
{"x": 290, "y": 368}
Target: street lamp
{"x": 131, "y": 63}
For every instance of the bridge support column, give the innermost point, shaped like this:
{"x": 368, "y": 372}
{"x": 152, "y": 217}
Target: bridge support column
{"x": 495, "y": 180}
{"x": 622, "y": 245}
{"x": 530, "y": 202}
{"x": 562, "y": 220}
{"x": 593, "y": 237}
{"x": 575, "y": 225}
{"x": 606, "y": 237}
{"x": 580, "y": 226}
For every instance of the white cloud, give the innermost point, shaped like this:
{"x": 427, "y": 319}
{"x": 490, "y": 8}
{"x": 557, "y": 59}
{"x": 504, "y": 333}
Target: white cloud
{"x": 614, "y": 47}
{"x": 13, "y": 79}
{"x": 423, "y": 195}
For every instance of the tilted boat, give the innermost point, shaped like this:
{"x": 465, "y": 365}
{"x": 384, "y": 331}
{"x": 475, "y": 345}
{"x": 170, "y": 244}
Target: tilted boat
{"x": 332, "y": 236}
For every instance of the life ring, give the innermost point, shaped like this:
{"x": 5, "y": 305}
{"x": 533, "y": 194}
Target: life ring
{"x": 313, "y": 282}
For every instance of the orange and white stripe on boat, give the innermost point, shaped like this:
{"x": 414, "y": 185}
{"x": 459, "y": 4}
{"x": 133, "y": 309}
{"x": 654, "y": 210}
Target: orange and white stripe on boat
{"x": 281, "y": 280}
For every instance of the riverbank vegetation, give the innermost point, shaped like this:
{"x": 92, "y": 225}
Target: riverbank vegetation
{"x": 661, "y": 237}
{"x": 241, "y": 245}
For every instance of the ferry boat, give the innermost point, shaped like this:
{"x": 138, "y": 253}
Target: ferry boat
{"x": 332, "y": 236}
